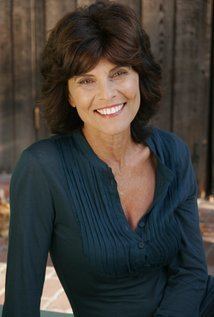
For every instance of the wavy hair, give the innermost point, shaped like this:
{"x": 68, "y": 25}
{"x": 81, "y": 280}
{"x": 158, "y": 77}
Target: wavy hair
{"x": 75, "y": 45}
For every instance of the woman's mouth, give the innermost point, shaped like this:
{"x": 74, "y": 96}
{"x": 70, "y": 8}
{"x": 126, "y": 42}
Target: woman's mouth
{"x": 111, "y": 112}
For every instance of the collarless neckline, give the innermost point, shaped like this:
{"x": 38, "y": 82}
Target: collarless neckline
{"x": 87, "y": 151}
{"x": 164, "y": 174}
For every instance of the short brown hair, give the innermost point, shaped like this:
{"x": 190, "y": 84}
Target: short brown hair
{"x": 75, "y": 45}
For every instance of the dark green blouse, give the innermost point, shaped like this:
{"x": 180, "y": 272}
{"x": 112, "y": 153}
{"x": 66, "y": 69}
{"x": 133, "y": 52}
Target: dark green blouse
{"x": 64, "y": 199}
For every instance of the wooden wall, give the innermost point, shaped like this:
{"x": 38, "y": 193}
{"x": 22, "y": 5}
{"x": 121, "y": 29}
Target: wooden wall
{"x": 181, "y": 38}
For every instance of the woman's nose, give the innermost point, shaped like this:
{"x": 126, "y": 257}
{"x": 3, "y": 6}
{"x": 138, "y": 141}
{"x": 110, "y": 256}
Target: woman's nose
{"x": 107, "y": 90}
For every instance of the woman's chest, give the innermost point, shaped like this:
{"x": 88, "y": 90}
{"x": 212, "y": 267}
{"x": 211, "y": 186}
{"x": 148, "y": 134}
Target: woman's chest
{"x": 136, "y": 190}
{"x": 90, "y": 223}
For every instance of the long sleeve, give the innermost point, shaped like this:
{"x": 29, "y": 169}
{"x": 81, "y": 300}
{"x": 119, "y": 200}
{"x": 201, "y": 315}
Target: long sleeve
{"x": 31, "y": 222}
{"x": 188, "y": 271}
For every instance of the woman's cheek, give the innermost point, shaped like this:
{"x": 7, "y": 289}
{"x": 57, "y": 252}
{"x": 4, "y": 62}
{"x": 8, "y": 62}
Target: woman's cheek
{"x": 131, "y": 88}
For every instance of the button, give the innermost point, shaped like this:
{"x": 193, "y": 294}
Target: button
{"x": 141, "y": 245}
{"x": 142, "y": 224}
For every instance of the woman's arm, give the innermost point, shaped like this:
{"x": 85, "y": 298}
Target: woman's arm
{"x": 31, "y": 222}
{"x": 188, "y": 271}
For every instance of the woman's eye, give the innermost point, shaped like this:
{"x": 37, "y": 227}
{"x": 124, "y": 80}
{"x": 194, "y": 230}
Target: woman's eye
{"x": 90, "y": 81}
{"x": 119, "y": 73}
{"x": 85, "y": 81}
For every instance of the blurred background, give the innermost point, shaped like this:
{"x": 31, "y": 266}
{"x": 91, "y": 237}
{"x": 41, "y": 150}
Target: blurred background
{"x": 181, "y": 34}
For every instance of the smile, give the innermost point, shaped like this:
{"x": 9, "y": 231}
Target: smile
{"x": 112, "y": 111}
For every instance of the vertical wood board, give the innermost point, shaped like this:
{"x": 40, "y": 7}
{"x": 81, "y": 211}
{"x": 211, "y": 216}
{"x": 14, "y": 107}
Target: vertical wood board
{"x": 158, "y": 22}
{"x": 192, "y": 77}
{"x": 6, "y": 88}
{"x": 134, "y": 4}
{"x": 24, "y": 67}
{"x": 55, "y": 10}
{"x": 211, "y": 145}
{"x": 41, "y": 130}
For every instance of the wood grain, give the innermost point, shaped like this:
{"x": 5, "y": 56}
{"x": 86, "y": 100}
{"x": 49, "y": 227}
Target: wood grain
{"x": 55, "y": 10}
{"x": 158, "y": 21}
{"x": 24, "y": 67}
{"x": 180, "y": 34}
{"x": 192, "y": 78}
{"x": 6, "y": 87}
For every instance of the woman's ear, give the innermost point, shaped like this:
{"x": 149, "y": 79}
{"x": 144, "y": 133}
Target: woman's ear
{"x": 70, "y": 97}
{"x": 70, "y": 101}
{"x": 71, "y": 104}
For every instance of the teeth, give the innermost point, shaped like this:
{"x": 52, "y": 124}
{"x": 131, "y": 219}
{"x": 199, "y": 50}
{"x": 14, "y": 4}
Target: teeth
{"x": 111, "y": 110}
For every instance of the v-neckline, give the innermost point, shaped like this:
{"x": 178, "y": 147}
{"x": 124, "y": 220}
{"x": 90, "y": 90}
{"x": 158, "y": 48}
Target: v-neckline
{"x": 164, "y": 175}
{"x": 157, "y": 192}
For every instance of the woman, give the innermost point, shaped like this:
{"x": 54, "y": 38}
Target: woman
{"x": 112, "y": 198}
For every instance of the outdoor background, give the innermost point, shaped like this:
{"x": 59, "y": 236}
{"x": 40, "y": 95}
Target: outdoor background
{"x": 181, "y": 33}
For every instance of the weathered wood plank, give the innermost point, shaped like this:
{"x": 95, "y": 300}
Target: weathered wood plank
{"x": 6, "y": 87}
{"x": 192, "y": 77}
{"x": 158, "y": 21}
{"x": 80, "y": 3}
{"x": 55, "y": 9}
{"x": 180, "y": 33}
{"x": 41, "y": 128}
{"x": 47, "y": 14}
{"x": 211, "y": 145}
{"x": 134, "y": 4}
{"x": 23, "y": 59}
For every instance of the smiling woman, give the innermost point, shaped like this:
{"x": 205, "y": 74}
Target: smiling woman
{"x": 87, "y": 40}
{"x": 106, "y": 93}
{"x": 113, "y": 199}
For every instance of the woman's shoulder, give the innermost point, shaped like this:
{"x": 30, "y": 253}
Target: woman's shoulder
{"x": 40, "y": 158}
{"x": 170, "y": 146}
{"x": 43, "y": 152}
{"x": 176, "y": 155}
{"x": 169, "y": 138}
{"x": 45, "y": 146}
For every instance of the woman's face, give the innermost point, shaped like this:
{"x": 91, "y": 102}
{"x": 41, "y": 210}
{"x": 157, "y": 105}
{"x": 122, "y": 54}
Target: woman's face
{"x": 106, "y": 88}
